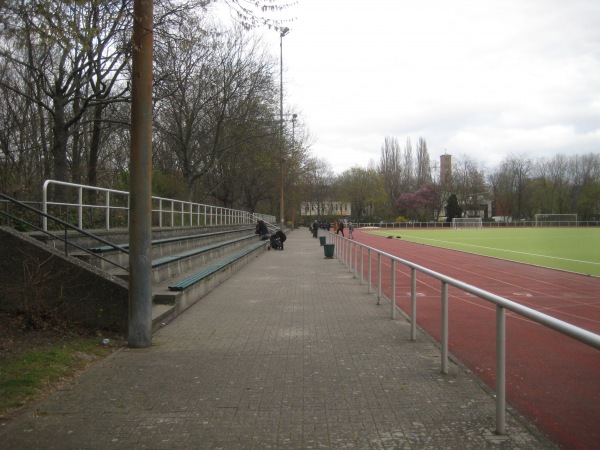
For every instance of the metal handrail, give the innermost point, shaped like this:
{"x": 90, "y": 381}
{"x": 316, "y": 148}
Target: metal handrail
{"x": 484, "y": 224}
{"x": 67, "y": 226}
{"x": 188, "y": 211}
{"x": 347, "y": 251}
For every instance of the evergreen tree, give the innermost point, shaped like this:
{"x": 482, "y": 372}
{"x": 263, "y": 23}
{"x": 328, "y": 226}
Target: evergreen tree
{"x": 453, "y": 209}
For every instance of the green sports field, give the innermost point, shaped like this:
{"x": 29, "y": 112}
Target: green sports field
{"x": 571, "y": 249}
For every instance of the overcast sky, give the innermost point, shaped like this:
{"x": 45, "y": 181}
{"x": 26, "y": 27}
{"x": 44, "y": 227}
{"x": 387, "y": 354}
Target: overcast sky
{"x": 472, "y": 77}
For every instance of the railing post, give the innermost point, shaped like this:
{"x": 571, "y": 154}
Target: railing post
{"x": 349, "y": 254}
{"x": 160, "y": 212}
{"x": 379, "y": 278}
{"x": 362, "y": 266}
{"x": 393, "y": 289}
{"x": 355, "y": 256}
{"x": 413, "y": 304}
{"x": 80, "y": 207}
{"x": 172, "y": 213}
{"x": 500, "y": 369}
{"x": 444, "y": 327}
{"x": 107, "y": 214}
{"x": 369, "y": 267}
{"x": 45, "y": 205}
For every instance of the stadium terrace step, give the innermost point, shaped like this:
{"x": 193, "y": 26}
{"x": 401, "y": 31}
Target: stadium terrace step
{"x": 187, "y": 263}
{"x": 189, "y": 281}
{"x": 164, "y": 247}
{"x": 171, "y": 298}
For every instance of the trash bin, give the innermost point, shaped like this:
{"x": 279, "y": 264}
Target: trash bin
{"x": 328, "y": 249}
{"x": 322, "y": 239}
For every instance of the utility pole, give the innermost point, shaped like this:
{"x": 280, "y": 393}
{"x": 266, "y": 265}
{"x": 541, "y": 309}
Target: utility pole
{"x": 140, "y": 216}
{"x": 282, "y": 33}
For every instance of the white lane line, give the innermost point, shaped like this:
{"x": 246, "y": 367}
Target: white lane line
{"x": 508, "y": 251}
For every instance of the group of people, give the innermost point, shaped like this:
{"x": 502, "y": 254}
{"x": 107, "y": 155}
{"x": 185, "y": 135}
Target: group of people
{"x": 338, "y": 227}
{"x": 276, "y": 239}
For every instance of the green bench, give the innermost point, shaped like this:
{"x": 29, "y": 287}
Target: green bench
{"x": 193, "y": 279}
{"x": 169, "y": 259}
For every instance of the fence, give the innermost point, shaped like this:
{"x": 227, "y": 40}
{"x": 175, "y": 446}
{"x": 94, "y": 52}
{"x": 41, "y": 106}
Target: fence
{"x": 513, "y": 224}
{"x": 107, "y": 208}
{"x": 350, "y": 253}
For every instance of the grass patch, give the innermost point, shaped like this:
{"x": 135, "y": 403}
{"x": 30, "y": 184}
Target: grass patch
{"x": 28, "y": 375}
{"x": 570, "y": 249}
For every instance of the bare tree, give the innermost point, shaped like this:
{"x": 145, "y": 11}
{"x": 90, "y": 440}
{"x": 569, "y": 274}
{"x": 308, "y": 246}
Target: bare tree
{"x": 68, "y": 61}
{"x": 390, "y": 169}
{"x": 317, "y": 183}
{"x": 423, "y": 164}
{"x": 364, "y": 189}
{"x": 511, "y": 186}
{"x": 468, "y": 183}
{"x": 217, "y": 99}
{"x": 408, "y": 177}
{"x": 586, "y": 190}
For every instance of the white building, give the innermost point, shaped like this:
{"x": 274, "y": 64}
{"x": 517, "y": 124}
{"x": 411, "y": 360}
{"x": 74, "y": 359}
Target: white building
{"x": 327, "y": 208}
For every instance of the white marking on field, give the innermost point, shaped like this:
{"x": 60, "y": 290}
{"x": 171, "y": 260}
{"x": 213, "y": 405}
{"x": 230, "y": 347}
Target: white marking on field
{"x": 508, "y": 251}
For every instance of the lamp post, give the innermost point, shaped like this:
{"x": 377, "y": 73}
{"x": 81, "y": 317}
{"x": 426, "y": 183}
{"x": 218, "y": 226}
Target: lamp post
{"x": 294, "y": 117}
{"x": 284, "y": 31}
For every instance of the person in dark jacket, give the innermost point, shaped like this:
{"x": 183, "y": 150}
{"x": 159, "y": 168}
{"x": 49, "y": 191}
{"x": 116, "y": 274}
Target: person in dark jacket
{"x": 277, "y": 240}
{"x": 262, "y": 230}
{"x": 340, "y": 227}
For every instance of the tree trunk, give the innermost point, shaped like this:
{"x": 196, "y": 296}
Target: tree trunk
{"x": 95, "y": 146}
{"x": 59, "y": 146}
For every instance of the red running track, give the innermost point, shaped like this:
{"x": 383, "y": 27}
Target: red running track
{"x": 551, "y": 379}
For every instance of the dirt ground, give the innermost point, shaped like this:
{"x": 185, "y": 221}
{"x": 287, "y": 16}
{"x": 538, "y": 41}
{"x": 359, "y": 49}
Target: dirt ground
{"x": 17, "y": 336}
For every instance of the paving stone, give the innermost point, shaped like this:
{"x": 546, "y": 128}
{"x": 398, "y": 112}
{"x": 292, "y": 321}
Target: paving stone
{"x": 290, "y": 353}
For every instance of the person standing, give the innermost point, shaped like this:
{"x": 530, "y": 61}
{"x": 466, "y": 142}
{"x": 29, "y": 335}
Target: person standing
{"x": 350, "y": 230}
{"x": 340, "y": 228}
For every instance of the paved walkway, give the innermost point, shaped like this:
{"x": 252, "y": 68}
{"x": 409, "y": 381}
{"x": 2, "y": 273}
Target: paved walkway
{"x": 290, "y": 353}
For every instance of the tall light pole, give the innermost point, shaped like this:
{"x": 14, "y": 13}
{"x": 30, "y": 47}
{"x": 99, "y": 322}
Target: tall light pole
{"x": 140, "y": 228}
{"x": 294, "y": 117}
{"x": 284, "y": 31}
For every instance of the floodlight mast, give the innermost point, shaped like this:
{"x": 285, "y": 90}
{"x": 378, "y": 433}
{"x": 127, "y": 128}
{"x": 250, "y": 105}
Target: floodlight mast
{"x": 140, "y": 226}
{"x": 283, "y": 32}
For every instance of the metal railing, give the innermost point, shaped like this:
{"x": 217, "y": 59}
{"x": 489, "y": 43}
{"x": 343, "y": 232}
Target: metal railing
{"x": 350, "y": 253}
{"x": 485, "y": 224}
{"x": 8, "y": 216}
{"x": 165, "y": 212}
